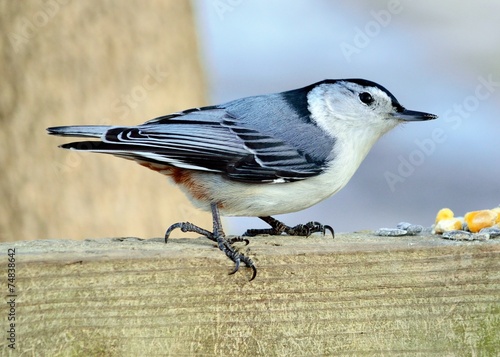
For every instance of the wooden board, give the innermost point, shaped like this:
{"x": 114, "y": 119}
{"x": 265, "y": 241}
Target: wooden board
{"x": 355, "y": 295}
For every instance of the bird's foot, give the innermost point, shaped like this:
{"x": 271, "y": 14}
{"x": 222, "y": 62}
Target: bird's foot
{"x": 278, "y": 228}
{"x": 226, "y": 247}
{"x": 218, "y": 236}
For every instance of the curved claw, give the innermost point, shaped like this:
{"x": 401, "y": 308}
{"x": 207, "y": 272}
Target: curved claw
{"x": 188, "y": 227}
{"x": 314, "y": 227}
{"x": 254, "y": 274}
{"x": 326, "y": 227}
{"x": 184, "y": 226}
{"x": 249, "y": 263}
{"x": 236, "y": 257}
{"x": 171, "y": 228}
{"x": 236, "y": 266}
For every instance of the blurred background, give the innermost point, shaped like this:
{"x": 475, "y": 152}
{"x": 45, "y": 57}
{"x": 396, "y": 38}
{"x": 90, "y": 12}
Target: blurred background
{"x": 123, "y": 63}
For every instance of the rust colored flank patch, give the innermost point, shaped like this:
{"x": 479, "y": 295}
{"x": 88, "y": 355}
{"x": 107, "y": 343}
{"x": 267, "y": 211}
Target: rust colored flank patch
{"x": 181, "y": 177}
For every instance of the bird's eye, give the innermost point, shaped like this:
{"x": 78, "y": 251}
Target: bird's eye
{"x": 366, "y": 98}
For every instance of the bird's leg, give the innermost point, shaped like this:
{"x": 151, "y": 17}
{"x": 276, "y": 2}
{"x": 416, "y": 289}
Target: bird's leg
{"x": 278, "y": 228}
{"x": 219, "y": 237}
{"x": 218, "y": 228}
{"x": 225, "y": 245}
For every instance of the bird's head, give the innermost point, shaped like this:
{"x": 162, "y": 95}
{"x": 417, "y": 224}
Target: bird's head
{"x": 341, "y": 105}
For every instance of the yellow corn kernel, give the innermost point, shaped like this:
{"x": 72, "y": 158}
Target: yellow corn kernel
{"x": 445, "y": 225}
{"x": 444, "y": 213}
{"x": 477, "y": 220}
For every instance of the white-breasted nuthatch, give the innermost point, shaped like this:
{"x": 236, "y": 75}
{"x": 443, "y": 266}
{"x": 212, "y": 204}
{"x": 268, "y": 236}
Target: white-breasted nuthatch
{"x": 261, "y": 155}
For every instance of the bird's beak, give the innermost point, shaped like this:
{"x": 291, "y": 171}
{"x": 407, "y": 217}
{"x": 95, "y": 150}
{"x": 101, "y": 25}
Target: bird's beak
{"x": 411, "y": 115}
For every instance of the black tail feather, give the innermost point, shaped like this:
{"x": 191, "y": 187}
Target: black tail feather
{"x": 94, "y": 131}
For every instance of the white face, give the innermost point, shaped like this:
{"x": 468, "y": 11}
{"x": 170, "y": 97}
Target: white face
{"x": 356, "y": 106}
{"x": 345, "y": 108}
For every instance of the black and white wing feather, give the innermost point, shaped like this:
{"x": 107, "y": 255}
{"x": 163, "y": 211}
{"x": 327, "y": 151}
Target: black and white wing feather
{"x": 224, "y": 139}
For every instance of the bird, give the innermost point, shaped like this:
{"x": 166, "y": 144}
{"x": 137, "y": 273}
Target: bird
{"x": 258, "y": 156}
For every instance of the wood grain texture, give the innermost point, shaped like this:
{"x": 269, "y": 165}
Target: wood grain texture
{"x": 355, "y": 295}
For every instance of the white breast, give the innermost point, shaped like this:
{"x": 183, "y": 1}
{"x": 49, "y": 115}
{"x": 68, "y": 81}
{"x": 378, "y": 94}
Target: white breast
{"x": 246, "y": 199}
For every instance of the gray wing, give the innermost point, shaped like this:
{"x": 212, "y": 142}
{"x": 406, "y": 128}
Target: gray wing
{"x": 227, "y": 139}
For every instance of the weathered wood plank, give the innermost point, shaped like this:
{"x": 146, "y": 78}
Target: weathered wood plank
{"x": 355, "y": 295}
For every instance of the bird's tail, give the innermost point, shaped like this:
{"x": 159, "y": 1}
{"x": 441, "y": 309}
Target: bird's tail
{"x": 93, "y": 131}
{"x": 88, "y": 131}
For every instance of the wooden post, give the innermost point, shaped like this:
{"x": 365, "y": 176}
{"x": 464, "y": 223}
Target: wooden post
{"x": 355, "y": 295}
